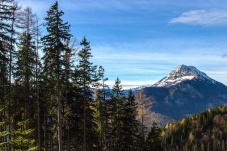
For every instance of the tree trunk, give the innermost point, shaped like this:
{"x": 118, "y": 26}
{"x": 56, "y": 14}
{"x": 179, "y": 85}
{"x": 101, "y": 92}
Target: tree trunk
{"x": 59, "y": 106}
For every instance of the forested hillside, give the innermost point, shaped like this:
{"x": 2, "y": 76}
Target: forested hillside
{"x": 47, "y": 102}
{"x": 206, "y": 131}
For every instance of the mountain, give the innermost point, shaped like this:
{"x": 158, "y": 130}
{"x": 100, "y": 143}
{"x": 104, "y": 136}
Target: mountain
{"x": 204, "y": 131}
{"x": 180, "y": 74}
{"x": 185, "y": 91}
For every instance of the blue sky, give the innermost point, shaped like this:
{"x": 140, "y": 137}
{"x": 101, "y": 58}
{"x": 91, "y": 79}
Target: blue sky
{"x": 142, "y": 41}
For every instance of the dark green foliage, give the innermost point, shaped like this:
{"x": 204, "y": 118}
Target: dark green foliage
{"x": 53, "y": 71}
{"x": 54, "y": 50}
{"x": 101, "y": 115}
{"x": 6, "y": 49}
{"x": 154, "y": 139}
{"x": 131, "y": 123}
{"x": 24, "y": 94}
{"x": 60, "y": 103}
{"x": 24, "y": 69}
{"x": 123, "y": 127}
{"x": 204, "y": 131}
{"x": 21, "y": 140}
{"x": 86, "y": 78}
{"x": 99, "y": 119}
{"x": 117, "y": 100}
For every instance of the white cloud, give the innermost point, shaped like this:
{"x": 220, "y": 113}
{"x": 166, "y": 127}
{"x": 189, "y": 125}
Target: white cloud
{"x": 39, "y": 6}
{"x": 131, "y": 84}
{"x": 202, "y": 17}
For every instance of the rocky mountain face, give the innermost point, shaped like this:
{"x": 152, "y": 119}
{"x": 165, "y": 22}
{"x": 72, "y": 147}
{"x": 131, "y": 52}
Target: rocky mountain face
{"x": 185, "y": 91}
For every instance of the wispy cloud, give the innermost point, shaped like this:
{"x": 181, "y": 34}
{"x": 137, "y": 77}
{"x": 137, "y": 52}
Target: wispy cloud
{"x": 38, "y": 6}
{"x": 202, "y": 17}
{"x": 131, "y": 84}
{"x": 148, "y": 66}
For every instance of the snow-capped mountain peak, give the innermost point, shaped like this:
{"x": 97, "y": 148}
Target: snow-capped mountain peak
{"x": 182, "y": 73}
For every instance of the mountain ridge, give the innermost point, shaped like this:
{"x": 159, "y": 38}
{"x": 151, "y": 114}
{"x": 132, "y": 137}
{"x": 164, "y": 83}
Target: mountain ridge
{"x": 182, "y": 98}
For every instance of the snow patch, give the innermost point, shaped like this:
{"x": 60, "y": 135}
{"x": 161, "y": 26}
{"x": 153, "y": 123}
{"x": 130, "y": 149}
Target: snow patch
{"x": 182, "y": 73}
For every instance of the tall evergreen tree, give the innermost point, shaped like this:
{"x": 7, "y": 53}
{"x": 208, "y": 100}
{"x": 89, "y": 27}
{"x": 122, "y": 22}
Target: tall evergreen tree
{"x": 70, "y": 95}
{"x": 117, "y": 100}
{"x": 6, "y": 49}
{"x": 99, "y": 118}
{"x": 24, "y": 94}
{"x": 54, "y": 50}
{"x": 154, "y": 139}
{"x": 101, "y": 115}
{"x": 25, "y": 70}
{"x": 131, "y": 122}
{"x": 86, "y": 75}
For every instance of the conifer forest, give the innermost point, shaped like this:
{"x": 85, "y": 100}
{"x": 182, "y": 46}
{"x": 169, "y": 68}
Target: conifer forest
{"x": 54, "y": 98}
{"x": 59, "y": 100}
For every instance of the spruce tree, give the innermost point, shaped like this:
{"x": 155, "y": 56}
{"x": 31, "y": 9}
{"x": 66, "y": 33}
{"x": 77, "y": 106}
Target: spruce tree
{"x": 99, "y": 119}
{"x": 54, "y": 50}
{"x": 6, "y": 49}
{"x": 117, "y": 100}
{"x": 70, "y": 95}
{"x": 131, "y": 122}
{"x": 101, "y": 113}
{"x": 154, "y": 139}
{"x": 87, "y": 77}
{"x": 24, "y": 86}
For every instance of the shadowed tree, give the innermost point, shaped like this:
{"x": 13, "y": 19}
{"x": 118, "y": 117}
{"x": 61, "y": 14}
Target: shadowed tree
{"x": 87, "y": 76}
{"x": 54, "y": 62}
{"x": 6, "y": 49}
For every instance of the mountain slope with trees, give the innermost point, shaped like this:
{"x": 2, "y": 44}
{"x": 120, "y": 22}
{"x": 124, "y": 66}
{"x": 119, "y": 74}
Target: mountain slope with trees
{"x": 206, "y": 131}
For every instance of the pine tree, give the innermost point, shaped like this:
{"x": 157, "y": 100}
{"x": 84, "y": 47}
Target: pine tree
{"x": 54, "y": 49}
{"x": 27, "y": 22}
{"x": 6, "y": 49}
{"x": 25, "y": 68}
{"x": 86, "y": 75}
{"x": 69, "y": 93}
{"x": 154, "y": 139}
{"x": 117, "y": 100}
{"x": 99, "y": 119}
{"x": 21, "y": 141}
{"x": 131, "y": 122}
{"x": 101, "y": 115}
{"x": 24, "y": 86}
